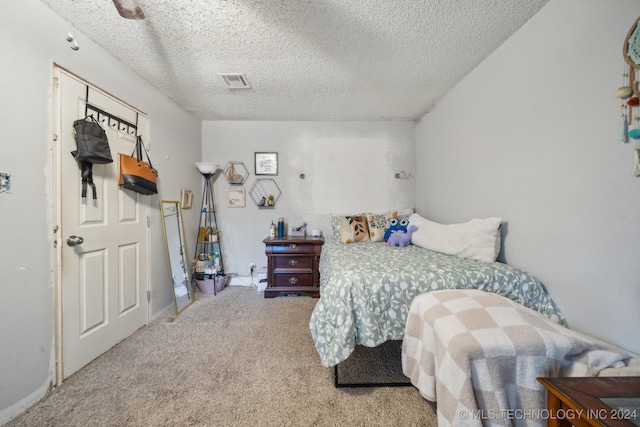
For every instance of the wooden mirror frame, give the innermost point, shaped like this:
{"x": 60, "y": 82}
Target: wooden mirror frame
{"x": 175, "y": 244}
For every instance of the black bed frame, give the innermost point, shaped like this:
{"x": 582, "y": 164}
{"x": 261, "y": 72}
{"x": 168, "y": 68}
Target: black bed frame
{"x": 338, "y": 384}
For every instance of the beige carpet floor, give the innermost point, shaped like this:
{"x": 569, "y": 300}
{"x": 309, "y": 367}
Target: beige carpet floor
{"x": 234, "y": 359}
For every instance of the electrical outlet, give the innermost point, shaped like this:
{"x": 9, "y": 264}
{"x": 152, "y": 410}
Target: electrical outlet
{"x": 252, "y": 267}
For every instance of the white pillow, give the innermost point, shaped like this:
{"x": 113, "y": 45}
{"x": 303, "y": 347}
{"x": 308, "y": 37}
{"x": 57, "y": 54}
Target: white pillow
{"x": 477, "y": 239}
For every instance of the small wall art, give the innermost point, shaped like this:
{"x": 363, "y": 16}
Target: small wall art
{"x": 266, "y": 163}
{"x": 186, "y": 199}
{"x": 236, "y": 198}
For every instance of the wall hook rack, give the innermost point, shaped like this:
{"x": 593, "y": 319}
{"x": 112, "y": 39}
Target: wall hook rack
{"x": 112, "y": 121}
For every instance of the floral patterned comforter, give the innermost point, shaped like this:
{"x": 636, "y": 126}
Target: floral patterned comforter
{"x": 366, "y": 289}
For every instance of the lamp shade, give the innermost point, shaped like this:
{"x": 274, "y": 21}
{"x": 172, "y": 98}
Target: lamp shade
{"x": 207, "y": 167}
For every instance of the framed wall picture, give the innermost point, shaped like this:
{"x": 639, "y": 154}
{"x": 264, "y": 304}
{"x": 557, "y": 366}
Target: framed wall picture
{"x": 185, "y": 199}
{"x": 266, "y": 163}
{"x": 236, "y": 198}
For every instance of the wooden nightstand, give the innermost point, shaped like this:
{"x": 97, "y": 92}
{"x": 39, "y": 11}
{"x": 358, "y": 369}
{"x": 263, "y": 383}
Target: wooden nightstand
{"x": 292, "y": 265}
{"x": 577, "y": 401}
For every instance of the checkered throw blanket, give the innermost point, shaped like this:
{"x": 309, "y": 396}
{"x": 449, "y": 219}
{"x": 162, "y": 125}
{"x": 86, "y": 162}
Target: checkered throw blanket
{"x": 478, "y": 355}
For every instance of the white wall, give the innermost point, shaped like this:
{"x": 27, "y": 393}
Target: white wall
{"x": 27, "y": 305}
{"x": 532, "y": 135}
{"x": 302, "y": 148}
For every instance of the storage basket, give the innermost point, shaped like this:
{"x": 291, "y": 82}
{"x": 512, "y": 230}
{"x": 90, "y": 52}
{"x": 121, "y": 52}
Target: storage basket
{"x": 211, "y": 284}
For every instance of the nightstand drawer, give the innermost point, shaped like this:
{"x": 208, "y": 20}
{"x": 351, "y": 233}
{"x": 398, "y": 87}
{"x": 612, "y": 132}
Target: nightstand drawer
{"x": 292, "y": 248}
{"x": 287, "y": 279}
{"x": 297, "y": 262}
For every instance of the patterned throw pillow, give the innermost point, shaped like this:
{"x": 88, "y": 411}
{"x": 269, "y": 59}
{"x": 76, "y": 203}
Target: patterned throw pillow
{"x": 377, "y": 225}
{"x": 335, "y": 223}
{"x": 353, "y": 229}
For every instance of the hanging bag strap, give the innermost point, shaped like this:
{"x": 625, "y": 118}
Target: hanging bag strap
{"x": 87, "y": 178}
{"x": 138, "y": 151}
{"x": 90, "y": 116}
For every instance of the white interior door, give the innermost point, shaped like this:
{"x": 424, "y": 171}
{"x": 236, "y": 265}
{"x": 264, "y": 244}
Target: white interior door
{"x": 104, "y": 279}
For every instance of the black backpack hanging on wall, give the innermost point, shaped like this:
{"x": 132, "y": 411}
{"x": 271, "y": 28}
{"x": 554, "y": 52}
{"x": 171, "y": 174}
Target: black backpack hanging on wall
{"x": 92, "y": 148}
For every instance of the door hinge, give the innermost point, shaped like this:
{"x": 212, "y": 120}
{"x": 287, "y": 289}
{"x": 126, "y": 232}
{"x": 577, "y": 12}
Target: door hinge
{"x": 148, "y": 296}
{"x": 148, "y": 221}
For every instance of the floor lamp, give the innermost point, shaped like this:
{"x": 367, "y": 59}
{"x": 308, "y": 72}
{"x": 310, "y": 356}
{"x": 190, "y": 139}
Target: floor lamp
{"x": 208, "y": 212}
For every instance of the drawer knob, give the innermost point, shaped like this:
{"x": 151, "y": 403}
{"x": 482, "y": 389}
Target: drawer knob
{"x": 293, "y": 263}
{"x": 293, "y": 246}
{"x": 293, "y": 280}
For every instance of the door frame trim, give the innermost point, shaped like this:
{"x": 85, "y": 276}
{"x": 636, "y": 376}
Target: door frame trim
{"x": 58, "y": 241}
{"x": 57, "y": 216}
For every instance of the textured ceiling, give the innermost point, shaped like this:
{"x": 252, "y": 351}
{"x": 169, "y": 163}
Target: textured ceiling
{"x": 305, "y": 59}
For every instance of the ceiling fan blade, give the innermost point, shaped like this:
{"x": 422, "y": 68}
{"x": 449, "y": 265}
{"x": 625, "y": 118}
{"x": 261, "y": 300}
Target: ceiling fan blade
{"x": 129, "y": 9}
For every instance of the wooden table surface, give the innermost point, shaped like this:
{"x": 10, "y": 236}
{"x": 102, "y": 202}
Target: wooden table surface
{"x": 576, "y": 400}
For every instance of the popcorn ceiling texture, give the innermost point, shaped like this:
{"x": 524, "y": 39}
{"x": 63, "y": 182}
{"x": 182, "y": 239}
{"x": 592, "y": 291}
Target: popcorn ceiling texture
{"x": 305, "y": 59}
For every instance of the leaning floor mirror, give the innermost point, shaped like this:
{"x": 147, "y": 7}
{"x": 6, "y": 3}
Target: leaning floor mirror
{"x": 175, "y": 244}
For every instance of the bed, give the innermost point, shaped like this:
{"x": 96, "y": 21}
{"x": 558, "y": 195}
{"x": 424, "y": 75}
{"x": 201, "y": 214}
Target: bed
{"x": 366, "y": 289}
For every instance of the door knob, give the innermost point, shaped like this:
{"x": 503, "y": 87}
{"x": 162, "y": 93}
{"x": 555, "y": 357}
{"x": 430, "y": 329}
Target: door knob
{"x": 74, "y": 240}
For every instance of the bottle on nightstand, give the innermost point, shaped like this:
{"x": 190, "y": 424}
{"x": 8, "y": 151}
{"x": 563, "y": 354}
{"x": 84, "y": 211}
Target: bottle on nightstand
{"x": 280, "y": 227}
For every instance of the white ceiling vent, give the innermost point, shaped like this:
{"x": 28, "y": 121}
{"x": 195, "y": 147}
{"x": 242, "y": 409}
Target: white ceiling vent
{"x": 235, "y": 81}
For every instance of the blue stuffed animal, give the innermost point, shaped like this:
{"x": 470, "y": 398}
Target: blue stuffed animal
{"x": 396, "y": 224}
{"x": 400, "y": 238}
